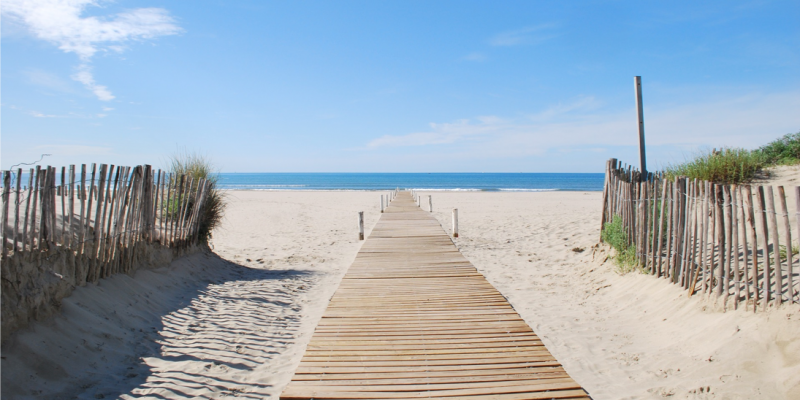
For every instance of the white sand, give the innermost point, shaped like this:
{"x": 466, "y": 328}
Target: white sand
{"x": 621, "y": 337}
{"x": 206, "y": 327}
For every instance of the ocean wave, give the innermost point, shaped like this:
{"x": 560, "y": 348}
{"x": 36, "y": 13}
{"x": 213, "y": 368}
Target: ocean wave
{"x": 528, "y": 190}
{"x": 255, "y": 187}
{"x": 447, "y": 189}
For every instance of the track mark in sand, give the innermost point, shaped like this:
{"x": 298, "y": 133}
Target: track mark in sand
{"x": 219, "y": 344}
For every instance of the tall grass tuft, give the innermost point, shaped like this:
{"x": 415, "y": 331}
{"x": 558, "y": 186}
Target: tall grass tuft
{"x": 197, "y": 166}
{"x": 727, "y": 166}
{"x": 614, "y": 234}
{"x": 784, "y": 151}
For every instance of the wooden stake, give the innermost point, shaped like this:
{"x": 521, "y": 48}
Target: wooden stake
{"x": 360, "y": 225}
{"x": 455, "y": 222}
{"x": 670, "y": 227}
{"x": 71, "y": 218}
{"x": 661, "y": 216}
{"x": 6, "y": 205}
{"x": 726, "y": 276}
{"x": 743, "y": 202}
{"x": 17, "y": 241}
{"x": 34, "y": 244}
{"x": 776, "y": 256}
{"x": 82, "y": 195}
{"x": 63, "y": 194}
{"x": 28, "y": 213}
{"x": 767, "y": 270}
{"x": 749, "y": 216}
{"x": 787, "y": 241}
{"x": 737, "y": 276}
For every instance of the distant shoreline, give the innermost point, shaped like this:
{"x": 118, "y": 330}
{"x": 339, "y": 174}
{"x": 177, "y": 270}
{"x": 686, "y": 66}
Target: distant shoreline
{"x": 438, "y": 182}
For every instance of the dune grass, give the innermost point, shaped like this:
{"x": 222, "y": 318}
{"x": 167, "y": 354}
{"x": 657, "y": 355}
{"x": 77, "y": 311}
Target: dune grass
{"x": 197, "y": 166}
{"x": 726, "y": 166}
{"x": 614, "y": 235}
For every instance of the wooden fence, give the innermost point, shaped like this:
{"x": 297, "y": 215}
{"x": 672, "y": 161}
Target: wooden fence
{"x": 99, "y": 216}
{"x": 728, "y": 241}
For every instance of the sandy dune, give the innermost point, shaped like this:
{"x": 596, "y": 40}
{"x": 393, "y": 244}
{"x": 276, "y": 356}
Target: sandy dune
{"x": 236, "y": 323}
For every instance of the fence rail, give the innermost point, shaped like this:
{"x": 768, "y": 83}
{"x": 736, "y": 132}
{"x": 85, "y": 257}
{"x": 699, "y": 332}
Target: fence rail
{"x": 732, "y": 242}
{"x": 100, "y": 215}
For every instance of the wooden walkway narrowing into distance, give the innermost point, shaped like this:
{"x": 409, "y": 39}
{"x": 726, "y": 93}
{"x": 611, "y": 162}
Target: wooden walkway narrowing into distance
{"x": 413, "y": 318}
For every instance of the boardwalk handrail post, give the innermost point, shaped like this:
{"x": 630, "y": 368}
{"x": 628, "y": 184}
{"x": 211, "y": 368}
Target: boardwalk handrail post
{"x": 455, "y": 222}
{"x": 430, "y": 203}
{"x": 360, "y": 225}
{"x": 382, "y": 208}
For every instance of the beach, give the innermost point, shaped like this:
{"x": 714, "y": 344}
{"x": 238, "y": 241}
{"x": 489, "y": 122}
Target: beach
{"x": 235, "y": 321}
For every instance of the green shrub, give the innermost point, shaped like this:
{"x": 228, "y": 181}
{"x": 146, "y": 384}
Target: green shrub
{"x": 614, "y": 234}
{"x": 727, "y": 166}
{"x": 785, "y": 150}
{"x": 196, "y": 166}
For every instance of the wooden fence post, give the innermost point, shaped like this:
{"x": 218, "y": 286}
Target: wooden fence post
{"x": 430, "y": 203}
{"x": 16, "y": 213}
{"x": 6, "y": 194}
{"x": 776, "y": 256}
{"x": 455, "y": 222}
{"x": 762, "y": 219}
{"x": 360, "y": 225}
{"x": 787, "y": 241}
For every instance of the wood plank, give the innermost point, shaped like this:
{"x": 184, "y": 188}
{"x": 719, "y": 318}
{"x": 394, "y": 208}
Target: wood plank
{"x": 413, "y": 318}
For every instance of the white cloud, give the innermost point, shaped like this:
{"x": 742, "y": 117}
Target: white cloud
{"x": 84, "y": 76}
{"x": 60, "y": 22}
{"x": 529, "y": 35}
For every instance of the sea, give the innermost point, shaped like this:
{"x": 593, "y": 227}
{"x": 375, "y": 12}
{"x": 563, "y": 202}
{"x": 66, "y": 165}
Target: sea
{"x": 483, "y": 182}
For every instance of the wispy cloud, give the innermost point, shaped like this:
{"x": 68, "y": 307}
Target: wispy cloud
{"x": 84, "y": 76}
{"x": 75, "y": 150}
{"x": 583, "y": 125}
{"x": 41, "y": 115}
{"x": 475, "y": 56}
{"x": 48, "y": 80}
{"x": 60, "y": 22}
{"x": 525, "y": 36}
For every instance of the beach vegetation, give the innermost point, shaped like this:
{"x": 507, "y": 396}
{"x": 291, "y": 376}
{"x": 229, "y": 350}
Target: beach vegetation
{"x": 783, "y": 151}
{"x": 615, "y": 236}
{"x": 726, "y": 166}
{"x": 198, "y": 167}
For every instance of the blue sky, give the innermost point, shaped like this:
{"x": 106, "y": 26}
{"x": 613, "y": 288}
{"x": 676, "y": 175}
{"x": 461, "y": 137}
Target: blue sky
{"x": 445, "y": 86}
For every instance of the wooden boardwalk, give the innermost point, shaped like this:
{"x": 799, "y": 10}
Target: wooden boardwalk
{"x": 414, "y": 319}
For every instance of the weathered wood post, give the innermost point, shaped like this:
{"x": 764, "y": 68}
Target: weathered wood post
{"x": 637, "y": 80}
{"x": 382, "y": 208}
{"x": 360, "y": 225}
{"x": 455, "y": 222}
{"x": 6, "y": 193}
{"x": 430, "y": 203}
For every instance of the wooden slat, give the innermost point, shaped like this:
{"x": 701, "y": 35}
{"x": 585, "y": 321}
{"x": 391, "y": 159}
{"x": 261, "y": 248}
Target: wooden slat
{"x": 414, "y": 319}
